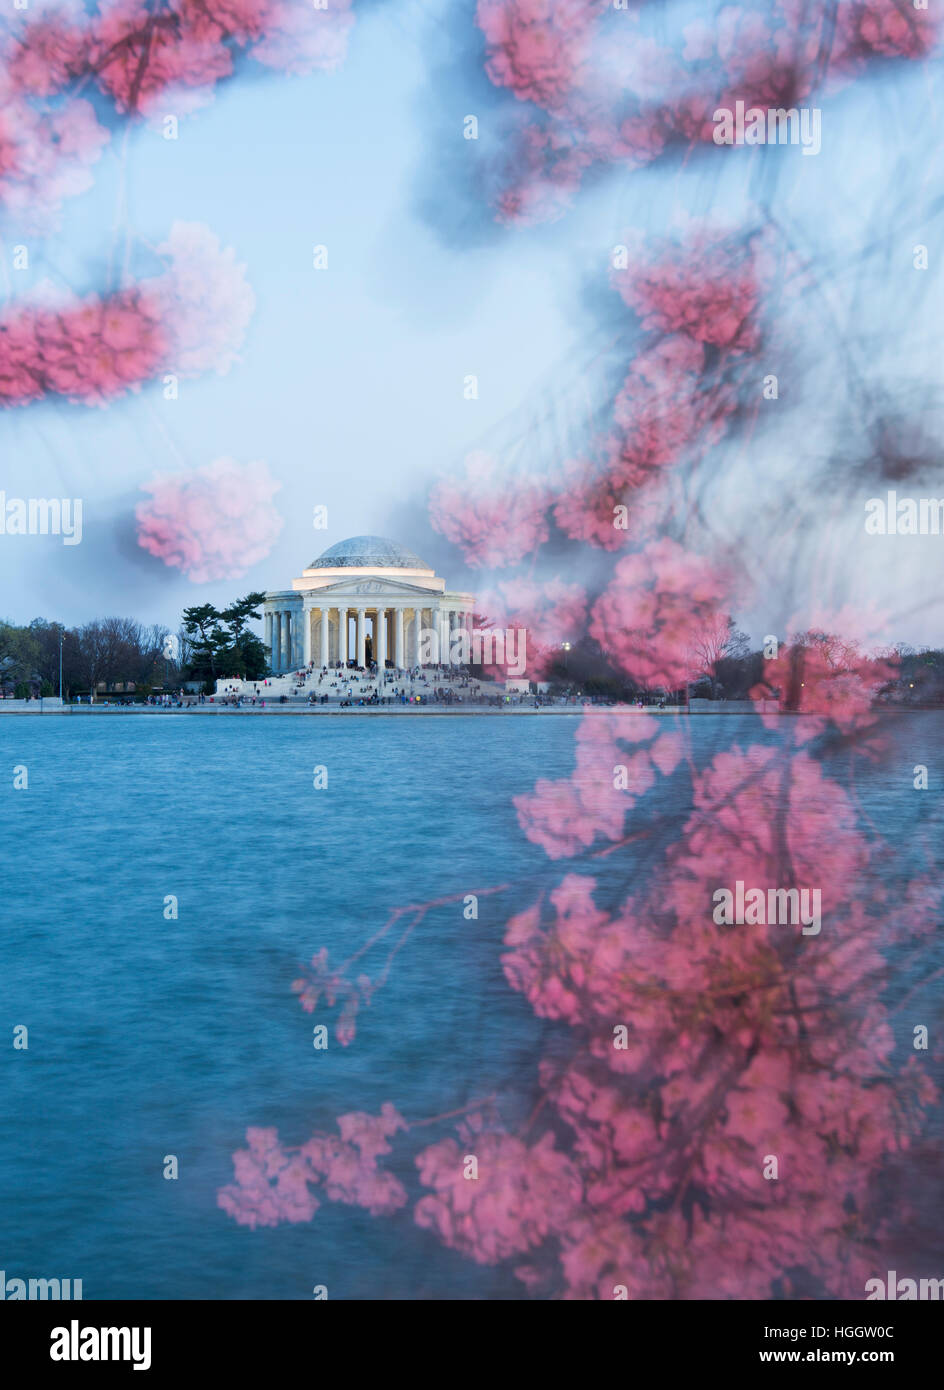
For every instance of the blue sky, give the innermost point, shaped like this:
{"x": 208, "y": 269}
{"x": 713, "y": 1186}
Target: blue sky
{"x": 350, "y": 381}
{"x": 350, "y": 384}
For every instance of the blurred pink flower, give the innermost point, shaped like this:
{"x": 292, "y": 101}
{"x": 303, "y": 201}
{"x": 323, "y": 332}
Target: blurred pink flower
{"x": 495, "y": 519}
{"x": 649, "y": 617}
{"x": 205, "y": 299}
{"x": 89, "y": 351}
{"x": 521, "y": 1195}
{"x": 301, "y": 39}
{"x": 214, "y": 522}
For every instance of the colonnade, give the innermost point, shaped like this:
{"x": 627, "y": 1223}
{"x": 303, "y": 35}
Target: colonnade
{"x": 281, "y": 638}
{"x": 396, "y": 635}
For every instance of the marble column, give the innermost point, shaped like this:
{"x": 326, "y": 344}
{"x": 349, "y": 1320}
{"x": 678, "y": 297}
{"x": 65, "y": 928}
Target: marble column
{"x": 342, "y": 636}
{"x": 286, "y": 652}
{"x": 324, "y": 636}
{"x": 381, "y": 640}
{"x": 361, "y": 637}
{"x": 275, "y": 654}
{"x": 417, "y": 629}
{"x": 306, "y": 635}
{"x": 398, "y": 639}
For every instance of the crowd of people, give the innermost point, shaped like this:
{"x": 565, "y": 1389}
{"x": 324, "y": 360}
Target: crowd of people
{"x": 365, "y": 686}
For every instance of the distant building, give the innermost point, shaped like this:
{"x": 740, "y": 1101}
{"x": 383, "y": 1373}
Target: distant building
{"x": 365, "y": 599}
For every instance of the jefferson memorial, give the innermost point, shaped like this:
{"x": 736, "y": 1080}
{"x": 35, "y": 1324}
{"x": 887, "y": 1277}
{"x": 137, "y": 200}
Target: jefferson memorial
{"x": 365, "y": 599}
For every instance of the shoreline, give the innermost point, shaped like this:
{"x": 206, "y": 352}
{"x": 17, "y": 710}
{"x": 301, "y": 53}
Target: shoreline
{"x": 414, "y": 711}
{"x": 397, "y": 711}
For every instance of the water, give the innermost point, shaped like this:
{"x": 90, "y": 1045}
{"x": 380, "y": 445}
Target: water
{"x": 150, "y": 1037}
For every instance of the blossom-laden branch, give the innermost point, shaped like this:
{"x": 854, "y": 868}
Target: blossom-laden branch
{"x": 147, "y": 58}
{"x": 598, "y": 86}
{"x": 189, "y": 320}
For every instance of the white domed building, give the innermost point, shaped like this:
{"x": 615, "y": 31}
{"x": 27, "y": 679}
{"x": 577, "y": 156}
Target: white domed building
{"x": 365, "y": 599}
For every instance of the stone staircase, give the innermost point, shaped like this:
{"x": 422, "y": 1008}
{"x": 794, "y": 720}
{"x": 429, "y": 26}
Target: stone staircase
{"x": 343, "y": 685}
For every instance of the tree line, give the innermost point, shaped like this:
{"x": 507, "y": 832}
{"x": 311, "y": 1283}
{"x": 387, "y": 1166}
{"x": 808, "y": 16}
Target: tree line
{"x": 210, "y": 644}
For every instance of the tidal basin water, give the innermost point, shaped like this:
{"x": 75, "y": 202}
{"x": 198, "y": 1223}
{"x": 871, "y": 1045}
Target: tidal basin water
{"x": 150, "y": 1037}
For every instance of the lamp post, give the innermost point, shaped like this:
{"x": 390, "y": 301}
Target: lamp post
{"x": 60, "y": 665}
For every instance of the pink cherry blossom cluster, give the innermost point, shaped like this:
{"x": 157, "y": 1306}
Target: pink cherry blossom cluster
{"x": 149, "y": 57}
{"x": 738, "y": 1045}
{"x": 519, "y": 1195}
{"x": 46, "y": 154}
{"x": 599, "y": 91}
{"x": 547, "y": 615}
{"x": 701, "y": 301}
{"x": 274, "y": 1184}
{"x": 326, "y": 982}
{"x": 651, "y": 613}
{"x": 204, "y": 298}
{"x": 537, "y": 47}
{"x": 493, "y": 524}
{"x": 831, "y": 681}
{"x": 88, "y": 351}
{"x": 190, "y": 319}
{"x": 213, "y": 522}
{"x": 567, "y": 816}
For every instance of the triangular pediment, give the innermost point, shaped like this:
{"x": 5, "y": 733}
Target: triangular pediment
{"x": 366, "y": 587}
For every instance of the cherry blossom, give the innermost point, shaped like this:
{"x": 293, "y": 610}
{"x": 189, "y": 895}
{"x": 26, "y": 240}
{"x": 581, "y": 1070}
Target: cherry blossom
{"x": 204, "y": 298}
{"x": 214, "y": 522}
{"x": 548, "y": 614}
{"x": 611, "y": 774}
{"x": 89, "y": 351}
{"x": 190, "y": 319}
{"x": 605, "y": 92}
{"x": 536, "y": 47}
{"x": 143, "y": 57}
{"x": 495, "y": 519}
{"x": 649, "y": 616}
{"x": 274, "y": 1184}
{"x": 521, "y": 1194}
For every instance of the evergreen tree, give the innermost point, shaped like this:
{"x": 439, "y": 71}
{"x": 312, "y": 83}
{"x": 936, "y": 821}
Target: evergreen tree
{"x": 221, "y": 643}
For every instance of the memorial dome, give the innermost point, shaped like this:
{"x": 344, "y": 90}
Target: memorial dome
{"x": 368, "y": 552}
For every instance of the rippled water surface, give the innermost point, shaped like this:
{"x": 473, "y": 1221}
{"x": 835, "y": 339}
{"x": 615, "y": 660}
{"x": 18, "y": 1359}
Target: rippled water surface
{"x": 150, "y": 1037}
